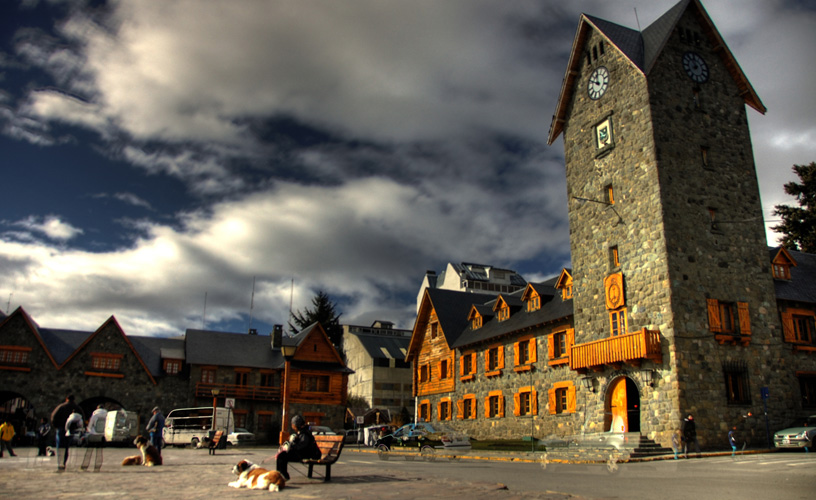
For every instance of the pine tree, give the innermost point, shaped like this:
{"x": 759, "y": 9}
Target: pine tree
{"x": 799, "y": 223}
{"x": 323, "y": 313}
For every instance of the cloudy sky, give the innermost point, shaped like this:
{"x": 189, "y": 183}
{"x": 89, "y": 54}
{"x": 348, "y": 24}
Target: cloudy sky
{"x": 154, "y": 152}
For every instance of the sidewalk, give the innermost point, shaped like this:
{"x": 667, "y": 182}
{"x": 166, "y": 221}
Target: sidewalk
{"x": 194, "y": 474}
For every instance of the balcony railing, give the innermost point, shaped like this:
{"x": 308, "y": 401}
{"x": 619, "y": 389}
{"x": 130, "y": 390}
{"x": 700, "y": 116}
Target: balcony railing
{"x": 255, "y": 392}
{"x": 631, "y": 348}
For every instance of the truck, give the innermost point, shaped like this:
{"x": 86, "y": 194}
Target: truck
{"x": 192, "y": 426}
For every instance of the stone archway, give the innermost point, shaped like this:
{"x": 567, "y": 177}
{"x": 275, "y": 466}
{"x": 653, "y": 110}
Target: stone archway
{"x": 90, "y": 404}
{"x": 622, "y": 406}
{"x": 19, "y": 411}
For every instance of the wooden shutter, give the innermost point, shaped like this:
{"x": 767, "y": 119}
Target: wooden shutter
{"x": 551, "y": 394}
{"x": 551, "y": 347}
{"x": 516, "y": 354}
{"x": 532, "y": 350}
{"x": 460, "y": 409}
{"x": 473, "y": 361}
{"x": 500, "y": 364}
{"x": 501, "y": 405}
{"x": 534, "y": 402}
{"x": 462, "y": 365}
{"x": 487, "y": 407}
{"x": 744, "y": 318}
{"x": 570, "y": 342}
{"x": 714, "y": 323}
{"x": 487, "y": 360}
{"x": 517, "y": 402}
{"x": 788, "y": 331}
{"x": 571, "y": 399}
{"x": 439, "y": 410}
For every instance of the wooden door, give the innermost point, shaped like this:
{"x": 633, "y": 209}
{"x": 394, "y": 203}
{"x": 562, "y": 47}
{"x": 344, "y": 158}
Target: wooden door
{"x": 618, "y": 406}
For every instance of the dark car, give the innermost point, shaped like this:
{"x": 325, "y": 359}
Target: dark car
{"x": 421, "y": 435}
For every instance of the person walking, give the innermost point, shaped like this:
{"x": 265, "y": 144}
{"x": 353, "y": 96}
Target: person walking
{"x": 690, "y": 436}
{"x": 155, "y": 426}
{"x": 59, "y": 419}
{"x": 732, "y": 440}
{"x": 6, "y": 435}
{"x": 301, "y": 445}
{"x": 43, "y": 430}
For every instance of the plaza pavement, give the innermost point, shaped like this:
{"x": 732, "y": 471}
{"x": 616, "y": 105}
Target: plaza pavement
{"x": 195, "y": 474}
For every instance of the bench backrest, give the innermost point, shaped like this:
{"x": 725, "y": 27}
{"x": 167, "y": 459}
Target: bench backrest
{"x": 217, "y": 437}
{"x": 330, "y": 446}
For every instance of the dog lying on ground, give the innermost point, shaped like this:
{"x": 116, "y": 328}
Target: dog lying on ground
{"x": 150, "y": 455}
{"x": 253, "y": 477}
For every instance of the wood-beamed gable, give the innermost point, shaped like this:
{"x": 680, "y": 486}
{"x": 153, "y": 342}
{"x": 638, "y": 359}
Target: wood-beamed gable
{"x": 20, "y": 314}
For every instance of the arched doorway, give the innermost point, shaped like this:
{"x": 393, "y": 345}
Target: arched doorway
{"x": 622, "y": 406}
{"x": 89, "y": 405}
{"x": 17, "y": 410}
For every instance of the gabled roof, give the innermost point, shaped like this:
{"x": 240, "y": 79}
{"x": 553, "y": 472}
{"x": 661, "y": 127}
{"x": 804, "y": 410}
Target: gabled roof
{"x": 205, "y": 347}
{"x": 313, "y": 329}
{"x": 63, "y": 343}
{"x": 540, "y": 289}
{"x": 642, "y": 50}
{"x": 563, "y": 278}
{"x": 383, "y": 346}
{"x": 486, "y": 311}
{"x": 115, "y": 324}
{"x": 34, "y": 328}
{"x": 781, "y": 255}
{"x": 512, "y": 300}
{"x": 154, "y": 350}
{"x": 802, "y": 285}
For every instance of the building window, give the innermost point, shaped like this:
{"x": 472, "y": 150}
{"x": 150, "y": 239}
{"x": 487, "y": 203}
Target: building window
{"x": 494, "y": 360}
{"x": 803, "y": 328}
{"x": 208, "y": 375}
{"x": 722, "y": 318}
{"x": 314, "y": 383}
{"x": 562, "y": 398}
{"x": 425, "y": 411}
{"x": 443, "y": 369}
{"x": 444, "y": 409}
{"x": 614, "y": 258}
{"x": 434, "y": 330}
{"x": 476, "y": 323}
{"x": 467, "y": 407}
{"x": 242, "y": 377}
{"x": 523, "y": 353}
{"x": 737, "y": 390}
{"x": 559, "y": 346}
{"x": 14, "y": 355}
{"x": 467, "y": 365}
{"x": 704, "y": 154}
{"x": 526, "y": 402}
{"x": 807, "y": 387}
{"x": 781, "y": 271}
{"x": 494, "y": 405}
{"x": 424, "y": 373}
{"x": 106, "y": 362}
{"x": 610, "y": 194}
{"x": 172, "y": 366}
{"x": 269, "y": 379}
{"x": 617, "y": 321}
{"x": 503, "y": 313}
{"x": 534, "y": 304}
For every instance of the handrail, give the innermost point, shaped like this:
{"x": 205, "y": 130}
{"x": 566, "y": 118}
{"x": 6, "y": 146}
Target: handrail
{"x": 643, "y": 344}
{"x": 256, "y": 392}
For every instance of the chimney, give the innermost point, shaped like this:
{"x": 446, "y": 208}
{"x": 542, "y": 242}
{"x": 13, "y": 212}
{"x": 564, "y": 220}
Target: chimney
{"x": 277, "y": 336}
{"x": 253, "y": 331}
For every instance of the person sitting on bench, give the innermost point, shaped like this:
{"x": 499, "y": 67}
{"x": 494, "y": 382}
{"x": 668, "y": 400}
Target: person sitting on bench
{"x": 301, "y": 446}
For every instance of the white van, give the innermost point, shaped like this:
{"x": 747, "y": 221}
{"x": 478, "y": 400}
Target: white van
{"x": 191, "y": 425}
{"x": 121, "y": 426}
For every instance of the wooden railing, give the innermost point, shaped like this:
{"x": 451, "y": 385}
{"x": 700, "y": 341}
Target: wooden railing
{"x": 630, "y": 348}
{"x": 255, "y": 392}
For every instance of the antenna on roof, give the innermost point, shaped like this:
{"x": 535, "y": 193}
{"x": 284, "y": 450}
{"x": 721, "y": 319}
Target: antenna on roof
{"x": 8, "y": 304}
{"x": 251, "y": 303}
{"x": 204, "y": 315}
{"x": 291, "y": 295}
{"x": 636, "y": 19}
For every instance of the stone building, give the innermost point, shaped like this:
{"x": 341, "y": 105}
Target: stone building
{"x": 672, "y": 305}
{"x": 39, "y": 367}
{"x": 376, "y": 355}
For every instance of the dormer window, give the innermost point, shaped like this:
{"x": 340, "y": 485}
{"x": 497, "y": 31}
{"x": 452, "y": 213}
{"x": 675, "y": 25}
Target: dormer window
{"x": 534, "y": 304}
{"x": 781, "y": 271}
{"x": 782, "y": 263}
{"x": 503, "y": 313}
{"x": 476, "y": 323}
{"x": 564, "y": 283}
{"x": 172, "y": 366}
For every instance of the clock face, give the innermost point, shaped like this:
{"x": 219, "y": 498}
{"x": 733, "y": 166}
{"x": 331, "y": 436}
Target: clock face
{"x": 696, "y": 68}
{"x": 598, "y": 82}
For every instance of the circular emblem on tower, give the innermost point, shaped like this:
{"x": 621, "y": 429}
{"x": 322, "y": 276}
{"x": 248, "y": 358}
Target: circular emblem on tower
{"x": 613, "y": 284}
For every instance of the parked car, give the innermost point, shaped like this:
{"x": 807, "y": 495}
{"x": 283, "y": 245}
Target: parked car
{"x": 423, "y": 434}
{"x": 240, "y": 436}
{"x": 801, "y": 434}
{"x": 351, "y": 435}
{"x": 318, "y": 430}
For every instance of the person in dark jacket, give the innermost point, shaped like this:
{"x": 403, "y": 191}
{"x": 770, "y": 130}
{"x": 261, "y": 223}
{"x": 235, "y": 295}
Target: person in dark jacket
{"x": 155, "y": 427}
{"x": 43, "y": 430}
{"x": 690, "y": 436}
{"x": 59, "y": 417}
{"x": 301, "y": 446}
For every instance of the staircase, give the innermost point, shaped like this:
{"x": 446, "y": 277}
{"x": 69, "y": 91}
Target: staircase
{"x": 648, "y": 448}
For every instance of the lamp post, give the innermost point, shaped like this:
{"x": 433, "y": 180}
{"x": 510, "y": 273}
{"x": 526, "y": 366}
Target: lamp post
{"x": 288, "y": 353}
{"x": 215, "y": 393}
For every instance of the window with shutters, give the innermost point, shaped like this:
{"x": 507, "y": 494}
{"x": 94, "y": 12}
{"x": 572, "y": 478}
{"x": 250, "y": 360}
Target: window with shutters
{"x": 425, "y": 410}
{"x": 494, "y": 361}
{"x": 467, "y": 366}
{"x": 558, "y": 346}
{"x": 443, "y": 369}
{"x": 467, "y": 407}
{"x": 534, "y": 304}
{"x": 524, "y": 354}
{"x": 444, "y": 409}
{"x": 799, "y": 327}
{"x": 494, "y": 405}
{"x": 526, "y": 402}
{"x": 731, "y": 322}
{"x": 562, "y": 398}
{"x": 424, "y": 373}
{"x": 617, "y": 321}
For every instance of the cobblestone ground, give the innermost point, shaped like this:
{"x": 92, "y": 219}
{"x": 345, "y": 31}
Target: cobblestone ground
{"x": 194, "y": 474}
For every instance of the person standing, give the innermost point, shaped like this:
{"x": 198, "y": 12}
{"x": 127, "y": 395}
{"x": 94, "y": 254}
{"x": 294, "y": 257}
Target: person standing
{"x": 6, "y": 435}
{"x": 59, "y": 419}
{"x": 301, "y": 446}
{"x": 96, "y": 424}
{"x": 43, "y": 430}
{"x": 155, "y": 426}
{"x": 690, "y": 436}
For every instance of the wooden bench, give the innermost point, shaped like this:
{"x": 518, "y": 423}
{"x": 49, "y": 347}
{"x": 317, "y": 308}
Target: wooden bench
{"x": 330, "y": 449}
{"x": 215, "y": 441}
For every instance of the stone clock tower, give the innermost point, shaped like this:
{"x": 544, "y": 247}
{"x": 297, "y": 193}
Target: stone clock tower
{"x": 667, "y": 236}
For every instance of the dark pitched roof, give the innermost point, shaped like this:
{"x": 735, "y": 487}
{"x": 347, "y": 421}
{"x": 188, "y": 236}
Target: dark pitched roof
{"x": 383, "y": 346}
{"x": 452, "y": 308}
{"x": 62, "y": 343}
{"x": 204, "y": 347}
{"x": 802, "y": 285}
{"x": 553, "y": 308}
{"x": 625, "y": 39}
{"x": 656, "y": 34}
{"x": 151, "y": 349}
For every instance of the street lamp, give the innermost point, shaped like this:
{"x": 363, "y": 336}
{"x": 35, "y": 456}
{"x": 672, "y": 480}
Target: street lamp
{"x": 288, "y": 353}
{"x": 215, "y": 393}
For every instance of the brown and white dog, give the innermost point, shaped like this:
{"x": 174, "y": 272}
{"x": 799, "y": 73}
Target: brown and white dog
{"x": 150, "y": 455}
{"x": 252, "y": 477}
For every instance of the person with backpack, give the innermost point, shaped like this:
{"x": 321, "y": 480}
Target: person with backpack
{"x": 59, "y": 420}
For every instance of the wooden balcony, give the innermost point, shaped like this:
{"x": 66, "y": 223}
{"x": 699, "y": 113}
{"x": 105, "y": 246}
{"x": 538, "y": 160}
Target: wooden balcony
{"x": 253, "y": 392}
{"x": 631, "y": 348}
